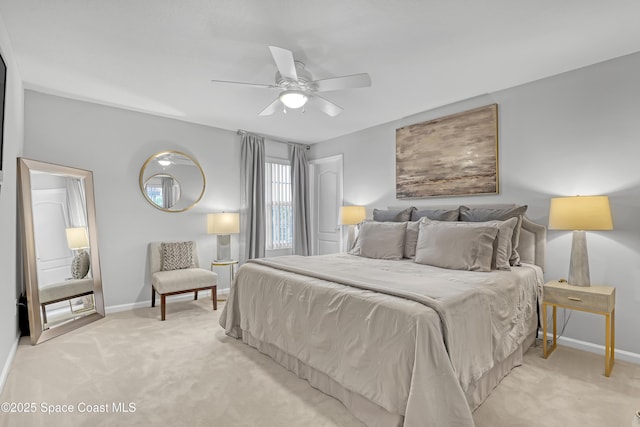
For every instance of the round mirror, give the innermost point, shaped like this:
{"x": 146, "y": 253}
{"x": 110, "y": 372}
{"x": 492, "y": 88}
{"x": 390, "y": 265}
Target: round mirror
{"x": 172, "y": 181}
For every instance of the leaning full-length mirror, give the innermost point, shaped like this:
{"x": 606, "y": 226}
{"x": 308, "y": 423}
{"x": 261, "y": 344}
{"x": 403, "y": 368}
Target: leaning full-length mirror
{"x": 60, "y": 248}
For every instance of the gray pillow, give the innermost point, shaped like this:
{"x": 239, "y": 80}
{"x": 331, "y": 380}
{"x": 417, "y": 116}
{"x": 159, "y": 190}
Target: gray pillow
{"x": 501, "y": 214}
{"x": 411, "y": 239}
{"x": 435, "y": 214}
{"x": 177, "y": 255}
{"x": 449, "y": 245}
{"x": 382, "y": 240}
{"x": 392, "y": 215}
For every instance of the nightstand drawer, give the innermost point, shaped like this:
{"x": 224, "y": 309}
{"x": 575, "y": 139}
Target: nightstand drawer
{"x": 581, "y": 298}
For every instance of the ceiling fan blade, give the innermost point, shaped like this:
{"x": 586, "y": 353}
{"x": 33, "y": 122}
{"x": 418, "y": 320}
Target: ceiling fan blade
{"x": 284, "y": 61}
{"x": 327, "y": 107}
{"x": 243, "y": 83}
{"x": 344, "y": 82}
{"x": 271, "y": 108}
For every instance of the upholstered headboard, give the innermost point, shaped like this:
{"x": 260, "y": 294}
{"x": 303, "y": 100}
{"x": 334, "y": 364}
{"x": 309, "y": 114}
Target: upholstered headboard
{"x": 533, "y": 237}
{"x": 533, "y": 243}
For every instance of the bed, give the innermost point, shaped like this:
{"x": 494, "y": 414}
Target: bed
{"x": 397, "y": 342}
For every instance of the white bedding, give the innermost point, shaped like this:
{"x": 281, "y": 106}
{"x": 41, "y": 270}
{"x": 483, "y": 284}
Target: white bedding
{"x": 416, "y": 347}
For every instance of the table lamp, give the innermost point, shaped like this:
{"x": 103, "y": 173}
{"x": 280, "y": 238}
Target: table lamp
{"x": 223, "y": 224}
{"x": 78, "y": 241}
{"x": 351, "y": 216}
{"x": 580, "y": 214}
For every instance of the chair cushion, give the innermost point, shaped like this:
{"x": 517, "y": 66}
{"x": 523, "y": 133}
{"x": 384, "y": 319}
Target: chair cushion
{"x": 182, "y": 280}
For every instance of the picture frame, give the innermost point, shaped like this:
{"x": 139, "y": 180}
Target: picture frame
{"x": 455, "y": 155}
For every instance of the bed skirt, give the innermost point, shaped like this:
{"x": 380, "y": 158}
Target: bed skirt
{"x": 368, "y": 412}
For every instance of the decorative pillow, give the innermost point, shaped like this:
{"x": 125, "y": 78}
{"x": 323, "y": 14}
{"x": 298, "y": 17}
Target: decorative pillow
{"x": 502, "y": 246}
{"x": 382, "y": 240}
{"x": 436, "y": 214}
{"x": 177, "y": 255}
{"x": 355, "y": 246}
{"x": 393, "y": 215}
{"x": 80, "y": 265}
{"x": 450, "y": 245}
{"x": 411, "y": 239}
{"x": 501, "y": 214}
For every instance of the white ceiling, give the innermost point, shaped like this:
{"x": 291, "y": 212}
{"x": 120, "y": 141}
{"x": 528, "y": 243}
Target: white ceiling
{"x": 158, "y": 56}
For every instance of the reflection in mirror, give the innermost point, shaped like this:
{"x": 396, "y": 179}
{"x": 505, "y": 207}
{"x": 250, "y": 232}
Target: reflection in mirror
{"x": 163, "y": 190}
{"x": 172, "y": 181}
{"x": 62, "y": 269}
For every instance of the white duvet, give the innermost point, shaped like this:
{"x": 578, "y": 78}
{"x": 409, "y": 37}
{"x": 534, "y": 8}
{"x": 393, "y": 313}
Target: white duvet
{"x": 411, "y": 338}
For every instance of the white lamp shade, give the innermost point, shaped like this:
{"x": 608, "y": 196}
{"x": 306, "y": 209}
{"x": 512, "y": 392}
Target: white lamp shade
{"x": 223, "y": 223}
{"x": 77, "y": 238}
{"x": 351, "y": 215}
{"x": 293, "y": 98}
{"x": 580, "y": 213}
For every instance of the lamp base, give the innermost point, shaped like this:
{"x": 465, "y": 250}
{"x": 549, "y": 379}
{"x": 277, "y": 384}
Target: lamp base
{"x": 223, "y": 248}
{"x": 579, "y": 266}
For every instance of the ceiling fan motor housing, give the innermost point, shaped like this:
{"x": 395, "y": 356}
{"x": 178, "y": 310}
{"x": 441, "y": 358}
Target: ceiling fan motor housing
{"x": 304, "y": 83}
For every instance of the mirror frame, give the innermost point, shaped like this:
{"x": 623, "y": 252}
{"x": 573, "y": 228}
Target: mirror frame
{"x": 25, "y": 203}
{"x": 142, "y": 182}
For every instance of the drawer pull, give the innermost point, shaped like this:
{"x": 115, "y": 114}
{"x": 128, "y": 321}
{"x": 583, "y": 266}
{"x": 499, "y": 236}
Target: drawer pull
{"x": 574, "y": 299}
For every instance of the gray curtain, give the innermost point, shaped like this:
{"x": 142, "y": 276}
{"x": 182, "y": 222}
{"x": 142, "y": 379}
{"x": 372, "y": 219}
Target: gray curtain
{"x": 300, "y": 199}
{"x": 252, "y": 210}
{"x": 76, "y": 202}
{"x": 167, "y": 191}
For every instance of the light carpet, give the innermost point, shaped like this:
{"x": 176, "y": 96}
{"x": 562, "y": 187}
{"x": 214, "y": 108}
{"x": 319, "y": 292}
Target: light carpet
{"x": 186, "y": 372}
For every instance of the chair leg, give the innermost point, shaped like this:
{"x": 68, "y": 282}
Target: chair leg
{"x": 214, "y": 297}
{"x": 196, "y": 297}
{"x": 163, "y": 306}
{"x": 153, "y": 297}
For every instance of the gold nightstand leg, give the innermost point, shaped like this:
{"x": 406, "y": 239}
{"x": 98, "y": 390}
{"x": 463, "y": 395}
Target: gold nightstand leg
{"x": 555, "y": 332}
{"x": 613, "y": 336}
{"x": 546, "y": 350}
{"x": 544, "y": 330}
{"x": 609, "y": 343}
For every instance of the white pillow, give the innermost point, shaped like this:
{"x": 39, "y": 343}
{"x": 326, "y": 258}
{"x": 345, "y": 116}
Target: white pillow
{"x": 455, "y": 245}
{"x": 382, "y": 240}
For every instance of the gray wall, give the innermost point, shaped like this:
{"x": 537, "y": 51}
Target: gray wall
{"x": 13, "y": 143}
{"x": 577, "y": 133}
{"x": 114, "y": 143}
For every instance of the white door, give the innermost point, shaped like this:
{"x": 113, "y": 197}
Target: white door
{"x": 326, "y": 199}
{"x": 50, "y": 219}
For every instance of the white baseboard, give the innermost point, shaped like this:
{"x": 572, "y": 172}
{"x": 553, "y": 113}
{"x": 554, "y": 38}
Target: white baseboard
{"x": 8, "y": 363}
{"x": 142, "y": 304}
{"x": 627, "y": 356}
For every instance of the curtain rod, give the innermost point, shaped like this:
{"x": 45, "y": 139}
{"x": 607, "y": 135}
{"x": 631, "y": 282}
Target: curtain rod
{"x": 242, "y": 132}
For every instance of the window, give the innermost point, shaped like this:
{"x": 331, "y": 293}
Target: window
{"x": 279, "y": 206}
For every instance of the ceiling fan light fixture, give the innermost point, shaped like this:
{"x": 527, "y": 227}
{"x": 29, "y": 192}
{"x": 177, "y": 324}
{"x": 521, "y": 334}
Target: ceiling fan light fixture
{"x": 293, "y": 98}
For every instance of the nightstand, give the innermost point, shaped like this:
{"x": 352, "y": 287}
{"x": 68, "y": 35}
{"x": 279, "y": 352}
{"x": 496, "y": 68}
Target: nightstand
{"x": 229, "y": 263}
{"x": 593, "y": 299}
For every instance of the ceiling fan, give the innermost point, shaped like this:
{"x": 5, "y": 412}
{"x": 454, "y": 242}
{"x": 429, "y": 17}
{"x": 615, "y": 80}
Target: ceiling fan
{"x": 299, "y": 88}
